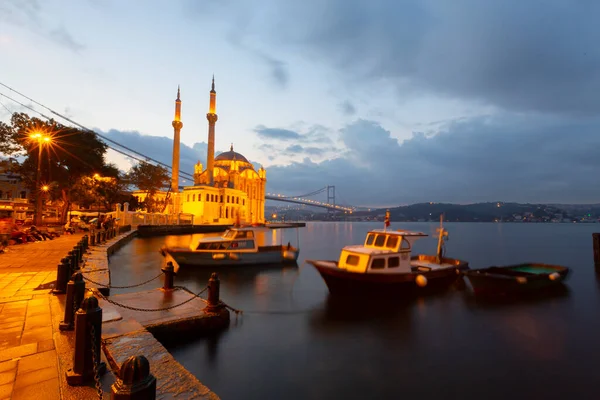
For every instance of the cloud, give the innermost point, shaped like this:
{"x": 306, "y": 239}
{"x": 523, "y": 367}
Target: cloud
{"x": 276, "y": 133}
{"x": 515, "y": 55}
{"x": 279, "y": 72}
{"x": 509, "y": 157}
{"x": 348, "y": 108}
{"x": 30, "y": 14}
{"x": 62, "y": 37}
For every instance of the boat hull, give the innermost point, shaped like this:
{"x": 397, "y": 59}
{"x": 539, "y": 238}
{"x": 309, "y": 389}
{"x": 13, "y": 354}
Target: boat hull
{"x": 343, "y": 283}
{"x": 515, "y": 279}
{"x": 214, "y": 259}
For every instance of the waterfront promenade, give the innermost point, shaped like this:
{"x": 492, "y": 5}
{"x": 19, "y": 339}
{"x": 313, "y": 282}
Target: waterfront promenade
{"x": 28, "y": 357}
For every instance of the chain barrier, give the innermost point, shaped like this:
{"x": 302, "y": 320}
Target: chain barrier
{"x": 153, "y": 309}
{"x": 96, "y": 362}
{"x": 227, "y": 306}
{"x": 121, "y": 287}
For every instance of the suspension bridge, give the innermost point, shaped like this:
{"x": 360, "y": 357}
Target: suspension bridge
{"x": 304, "y": 199}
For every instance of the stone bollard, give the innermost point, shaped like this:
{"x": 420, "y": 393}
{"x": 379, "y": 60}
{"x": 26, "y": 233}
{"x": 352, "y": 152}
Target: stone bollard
{"x": 75, "y": 295}
{"x": 81, "y": 250}
{"x": 596, "y": 242}
{"x": 63, "y": 272}
{"x": 135, "y": 381}
{"x": 169, "y": 272}
{"x": 214, "y": 287}
{"x": 88, "y": 329}
{"x": 78, "y": 252}
{"x": 85, "y": 242}
{"x": 92, "y": 238}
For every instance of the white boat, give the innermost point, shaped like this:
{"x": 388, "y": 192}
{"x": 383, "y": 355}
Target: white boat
{"x": 384, "y": 265}
{"x": 242, "y": 245}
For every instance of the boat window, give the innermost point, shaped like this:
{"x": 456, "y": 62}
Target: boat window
{"x": 242, "y": 244}
{"x": 392, "y": 242}
{"x": 378, "y": 263}
{"x": 352, "y": 259}
{"x": 405, "y": 244}
{"x": 370, "y": 239}
{"x": 393, "y": 262}
{"x": 215, "y": 245}
{"x": 380, "y": 240}
{"x": 244, "y": 234}
{"x": 229, "y": 234}
{"x": 203, "y": 246}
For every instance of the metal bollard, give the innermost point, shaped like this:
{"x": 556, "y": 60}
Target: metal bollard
{"x": 73, "y": 262}
{"x": 88, "y": 329}
{"x": 135, "y": 381}
{"x": 62, "y": 275}
{"x": 80, "y": 251}
{"x": 84, "y": 240}
{"x": 92, "y": 239}
{"x": 214, "y": 287}
{"x": 169, "y": 272}
{"x": 75, "y": 294}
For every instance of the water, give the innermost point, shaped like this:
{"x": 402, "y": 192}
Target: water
{"x": 293, "y": 342}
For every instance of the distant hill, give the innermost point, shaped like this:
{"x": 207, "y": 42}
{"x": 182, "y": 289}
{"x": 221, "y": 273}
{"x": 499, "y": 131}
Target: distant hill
{"x": 478, "y": 212}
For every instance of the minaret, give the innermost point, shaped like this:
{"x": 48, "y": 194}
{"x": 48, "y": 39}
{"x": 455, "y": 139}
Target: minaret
{"x": 212, "y": 119}
{"x": 177, "y": 125}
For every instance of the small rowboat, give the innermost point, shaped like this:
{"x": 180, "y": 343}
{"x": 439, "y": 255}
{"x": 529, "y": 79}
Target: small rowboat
{"x": 518, "y": 278}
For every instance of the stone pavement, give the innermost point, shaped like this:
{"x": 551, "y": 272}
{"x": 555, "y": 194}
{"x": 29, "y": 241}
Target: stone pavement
{"x": 28, "y": 358}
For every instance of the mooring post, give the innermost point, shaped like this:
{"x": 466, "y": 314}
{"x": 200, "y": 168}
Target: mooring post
{"x": 135, "y": 382}
{"x": 62, "y": 275}
{"x": 87, "y": 364}
{"x": 72, "y": 262}
{"x": 214, "y": 287}
{"x": 596, "y": 241}
{"x": 79, "y": 249}
{"x": 92, "y": 238}
{"x": 75, "y": 295}
{"x": 169, "y": 272}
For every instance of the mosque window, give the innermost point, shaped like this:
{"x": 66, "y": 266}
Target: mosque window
{"x": 221, "y": 199}
{"x": 243, "y": 202}
{"x": 194, "y": 197}
{"x": 188, "y": 198}
{"x": 23, "y": 195}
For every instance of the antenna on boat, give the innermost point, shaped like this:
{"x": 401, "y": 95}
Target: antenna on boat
{"x": 442, "y": 233}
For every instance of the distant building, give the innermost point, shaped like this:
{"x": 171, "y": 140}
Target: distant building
{"x": 14, "y": 195}
{"x": 228, "y": 190}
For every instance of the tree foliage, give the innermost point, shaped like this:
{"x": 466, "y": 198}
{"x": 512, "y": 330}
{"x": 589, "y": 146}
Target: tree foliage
{"x": 150, "y": 178}
{"x": 71, "y": 156}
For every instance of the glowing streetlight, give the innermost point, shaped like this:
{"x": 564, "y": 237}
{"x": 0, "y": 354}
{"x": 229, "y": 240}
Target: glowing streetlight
{"x": 45, "y": 188}
{"x": 41, "y": 139}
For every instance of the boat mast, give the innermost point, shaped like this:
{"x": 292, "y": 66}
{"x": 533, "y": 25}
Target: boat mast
{"x": 442, "y": 234}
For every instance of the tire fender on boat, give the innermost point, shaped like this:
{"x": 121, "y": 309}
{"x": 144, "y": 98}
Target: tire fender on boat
{"x": 421, "y": 281}
{"x": 521, "y": 279}
{"x": 554, "y": 276}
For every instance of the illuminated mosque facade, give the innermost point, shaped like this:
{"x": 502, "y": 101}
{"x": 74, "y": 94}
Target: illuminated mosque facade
{"x": 229, "y": 190}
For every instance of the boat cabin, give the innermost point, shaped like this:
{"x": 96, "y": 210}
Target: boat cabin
{"x": 384, "y": 251}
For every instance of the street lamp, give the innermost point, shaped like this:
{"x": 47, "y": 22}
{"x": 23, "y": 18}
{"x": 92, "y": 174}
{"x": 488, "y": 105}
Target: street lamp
{"x": 41, "y": 139}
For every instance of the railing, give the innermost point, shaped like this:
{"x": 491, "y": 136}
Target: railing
{"x": 134, "y": 218}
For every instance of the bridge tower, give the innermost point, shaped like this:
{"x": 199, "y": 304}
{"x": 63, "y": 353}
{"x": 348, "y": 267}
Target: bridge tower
{"x": 331, "y": 198}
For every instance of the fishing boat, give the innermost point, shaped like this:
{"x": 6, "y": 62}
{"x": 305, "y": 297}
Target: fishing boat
{"x": 237, "y": 246}
{"x": 518, "y": 278}
{"x": 384, "y": 265}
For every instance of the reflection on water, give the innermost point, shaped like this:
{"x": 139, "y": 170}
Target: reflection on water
{"x": 294, "y": 341}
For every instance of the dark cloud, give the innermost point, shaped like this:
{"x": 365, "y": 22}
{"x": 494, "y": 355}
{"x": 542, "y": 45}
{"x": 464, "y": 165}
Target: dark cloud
{"x": 279, "y": 72}
{"x": 504, "y": 158}
{"x": 276, "y": 133}
{"x": 517, "y": 55}
{"x": 348, "y": 108}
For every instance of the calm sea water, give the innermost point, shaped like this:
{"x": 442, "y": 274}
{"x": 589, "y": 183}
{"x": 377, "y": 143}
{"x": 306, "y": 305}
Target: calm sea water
{"x": 294, "y": 342}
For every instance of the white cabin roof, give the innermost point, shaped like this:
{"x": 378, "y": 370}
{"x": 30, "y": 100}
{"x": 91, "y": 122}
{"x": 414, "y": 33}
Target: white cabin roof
{"x": 359, "y": 248}
{"x": 398, "y": 232}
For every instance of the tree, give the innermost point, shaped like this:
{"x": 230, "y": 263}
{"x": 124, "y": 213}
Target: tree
{"x": 70, "y": 155}
{"x": 150, "y": 178}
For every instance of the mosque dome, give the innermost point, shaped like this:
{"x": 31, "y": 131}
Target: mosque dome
{"x": 223, "y": 160}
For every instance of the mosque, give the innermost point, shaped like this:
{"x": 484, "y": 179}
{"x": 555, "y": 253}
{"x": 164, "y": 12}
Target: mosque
{"x": 229, "y": 190}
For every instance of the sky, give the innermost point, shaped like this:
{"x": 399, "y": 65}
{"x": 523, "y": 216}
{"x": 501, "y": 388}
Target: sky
{"x": 392, "y": 101}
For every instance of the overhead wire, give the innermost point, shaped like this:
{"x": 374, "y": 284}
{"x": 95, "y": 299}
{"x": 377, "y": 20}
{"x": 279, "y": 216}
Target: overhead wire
{"x": 104, "y": 138}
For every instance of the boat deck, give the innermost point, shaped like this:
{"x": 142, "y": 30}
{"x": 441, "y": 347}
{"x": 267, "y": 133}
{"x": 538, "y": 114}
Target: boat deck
{"x": 430, "y": 265}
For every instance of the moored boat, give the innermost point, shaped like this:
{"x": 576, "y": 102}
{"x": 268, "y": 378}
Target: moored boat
{"x": 519, "y": 278}
{"x": 237, "y": 246}
{"x": 384, "y": 265}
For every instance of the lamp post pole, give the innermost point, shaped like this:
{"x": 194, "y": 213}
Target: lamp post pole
{"x": 38, "y": 194}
